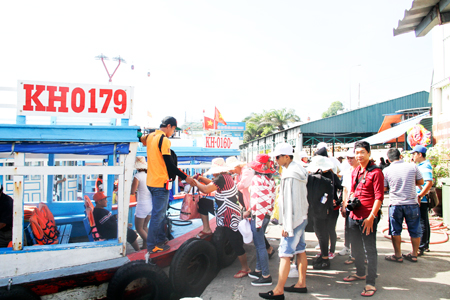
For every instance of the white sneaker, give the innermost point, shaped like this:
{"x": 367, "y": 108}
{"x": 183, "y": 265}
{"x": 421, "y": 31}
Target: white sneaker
{"x": 317, "y": 247}
{"x": 293, "y": 272}
{"x": 344, "y": 251}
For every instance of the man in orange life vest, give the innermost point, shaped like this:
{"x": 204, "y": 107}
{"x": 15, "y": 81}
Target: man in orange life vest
{"x": 107, "y": 223}
{"x": 6, "y": 218}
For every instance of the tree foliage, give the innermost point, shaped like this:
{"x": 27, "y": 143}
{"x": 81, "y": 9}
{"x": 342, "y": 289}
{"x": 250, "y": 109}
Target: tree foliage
{"x": 333, "y": 109}
{"x": 259, "y": 125}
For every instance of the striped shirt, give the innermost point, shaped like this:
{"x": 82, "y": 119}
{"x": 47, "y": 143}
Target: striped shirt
{"x": 427, "y": 172}
{"x": 400, "y": 178}
{"x": 228, "y": 210}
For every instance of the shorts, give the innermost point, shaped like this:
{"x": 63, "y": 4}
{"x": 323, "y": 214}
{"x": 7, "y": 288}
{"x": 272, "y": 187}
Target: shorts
{"x": 411, "y": 214}
{"x": 293, "y": 245}
{"x": 143, "y": 208}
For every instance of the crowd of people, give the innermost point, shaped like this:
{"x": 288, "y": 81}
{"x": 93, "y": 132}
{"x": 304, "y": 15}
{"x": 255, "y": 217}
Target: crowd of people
{"x": 354, "y": 188}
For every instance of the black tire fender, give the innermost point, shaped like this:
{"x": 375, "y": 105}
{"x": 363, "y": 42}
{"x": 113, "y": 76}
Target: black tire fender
{"x": 193, "y": 267}
{"x": 157, "y": 281}
{"x": 225, "y": 252}
{"x": 17, "y": 292}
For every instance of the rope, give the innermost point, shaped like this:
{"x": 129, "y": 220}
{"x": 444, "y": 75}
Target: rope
{"x": 436, "y": 226}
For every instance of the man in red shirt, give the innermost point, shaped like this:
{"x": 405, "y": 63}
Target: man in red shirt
{"x": 368, "y": 188}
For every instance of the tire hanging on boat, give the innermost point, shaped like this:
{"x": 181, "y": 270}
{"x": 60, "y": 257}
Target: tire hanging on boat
{"x": 151, "y": 279}
{"x": 225, "y": 252}
{"x": 17, "y": 292}
{"x": 193, "y": 267}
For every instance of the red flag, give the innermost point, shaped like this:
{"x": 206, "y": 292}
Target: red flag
{"x": 208, "y": 123}
{"x": 218, "y": 117}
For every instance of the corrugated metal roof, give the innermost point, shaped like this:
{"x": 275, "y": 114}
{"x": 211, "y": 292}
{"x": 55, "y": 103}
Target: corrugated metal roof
{"x": 366, "y": 119}
{"x": 423, "y": 16}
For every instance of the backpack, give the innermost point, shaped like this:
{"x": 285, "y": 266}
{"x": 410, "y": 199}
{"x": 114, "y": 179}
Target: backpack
{"x": 317, "y": 186}
{"x": 173, "y": 156}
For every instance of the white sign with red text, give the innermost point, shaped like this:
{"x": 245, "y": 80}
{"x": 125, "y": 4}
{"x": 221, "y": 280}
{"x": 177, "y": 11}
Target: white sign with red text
{"x": 218, "y": 142}
{"x": 36, "y": 98}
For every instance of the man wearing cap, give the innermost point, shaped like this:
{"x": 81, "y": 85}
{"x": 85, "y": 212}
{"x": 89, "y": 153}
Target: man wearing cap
{"x": 293, "y": 207}
{"x": 106, "y": 223}
{"x": 347, "y": 184}
{"x": 419, "y": 156}
{"x": 6, "y": 218}
{"x": 400, "y": 179}
{"x": 160, "y": 165}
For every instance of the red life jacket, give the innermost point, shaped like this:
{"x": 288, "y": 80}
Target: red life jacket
{"x": 90, "y": 215}
{"x": 46, "y": 221}
{"x": 39, "y": 235}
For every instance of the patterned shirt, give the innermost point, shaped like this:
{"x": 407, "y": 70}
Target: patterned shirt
{"x": 228, "y": 210}
{"x": 262, "y": 197}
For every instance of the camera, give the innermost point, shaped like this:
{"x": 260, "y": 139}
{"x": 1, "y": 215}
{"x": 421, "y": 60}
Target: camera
{"x": 353, "y": 203}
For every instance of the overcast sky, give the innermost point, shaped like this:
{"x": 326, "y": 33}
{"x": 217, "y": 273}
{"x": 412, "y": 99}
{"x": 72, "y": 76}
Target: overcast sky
{"x": 240, "y": 56}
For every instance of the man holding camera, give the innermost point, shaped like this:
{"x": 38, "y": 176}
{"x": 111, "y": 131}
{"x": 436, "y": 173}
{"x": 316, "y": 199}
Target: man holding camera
{"x": 366, "y": 198}
{"x": 400, "y": 179}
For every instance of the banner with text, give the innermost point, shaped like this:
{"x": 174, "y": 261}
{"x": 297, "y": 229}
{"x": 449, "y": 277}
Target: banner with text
{"x": 218, "y": 142}
{"x": 36, "y": 98}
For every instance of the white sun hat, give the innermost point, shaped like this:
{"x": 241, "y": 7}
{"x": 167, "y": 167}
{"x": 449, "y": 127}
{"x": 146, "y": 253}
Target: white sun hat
{"x": 140, "y": 163}
{"x": 282, "y": 149}
{"x": 218, "y": 166}
{"x": 321, "y": 145}
{"x": 233, "y": 162}
{"x": 319, "y": 162}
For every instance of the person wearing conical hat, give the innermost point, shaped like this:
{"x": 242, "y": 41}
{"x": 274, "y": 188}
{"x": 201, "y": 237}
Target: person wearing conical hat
{"x": 225, "y": 207}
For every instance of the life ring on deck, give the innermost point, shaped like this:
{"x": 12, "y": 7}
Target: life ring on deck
{"x": 193, "y": 267}
{"x": 137, "y": 279}
{"x": 17, "y": 292}
{"x": 225, "y": 252}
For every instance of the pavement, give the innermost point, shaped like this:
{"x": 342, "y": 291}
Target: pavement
{"x": 429, "y": 278}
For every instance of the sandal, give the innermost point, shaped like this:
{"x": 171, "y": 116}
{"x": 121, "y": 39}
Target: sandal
{"x": 393, "y": 258}
{"x": 368, "y": 292}
{"x": 410, "y": 257}
{"x": 203, "y": 235}
{"x": 349, "y": 261}
{"x": 354, "y": 277}
{"x": 241, "y": 274}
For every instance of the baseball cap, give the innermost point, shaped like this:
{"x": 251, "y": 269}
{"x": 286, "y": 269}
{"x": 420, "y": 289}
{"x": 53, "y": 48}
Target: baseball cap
{"x": 169, "y": 121}
{"x": 282, "y": 149}
{"x": 321, "y": 145}
{"x": 350, "y": 153}
{"x": 419, "y": 148}
{"x": 99, "y": 196}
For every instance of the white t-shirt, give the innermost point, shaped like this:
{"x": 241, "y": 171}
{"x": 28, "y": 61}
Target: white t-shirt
{"x": 143, "y": 194}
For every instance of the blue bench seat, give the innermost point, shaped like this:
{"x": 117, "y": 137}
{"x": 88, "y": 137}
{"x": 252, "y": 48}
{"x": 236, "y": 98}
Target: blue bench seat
{"x": 63, "y": 237}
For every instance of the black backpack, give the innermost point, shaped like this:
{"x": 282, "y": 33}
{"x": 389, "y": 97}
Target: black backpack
{"x": 173, "y": 156}
{"x": 317, "y": 186}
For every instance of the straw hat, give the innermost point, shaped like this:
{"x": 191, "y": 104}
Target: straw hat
{"x": 319, "y": 162}
{"x": 233, "y": 162}
{"x": 218, "y": 166}
{"x": 140, "y": 163}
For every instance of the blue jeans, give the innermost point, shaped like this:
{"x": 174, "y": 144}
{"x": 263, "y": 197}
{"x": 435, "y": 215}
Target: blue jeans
{"x": 262, "y": 257}
{"x": 364, "y": 246}
{"x": 160, "y": 201}
{"x": 411, "y": 215}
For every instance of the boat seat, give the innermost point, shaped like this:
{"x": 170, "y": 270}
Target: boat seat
{"x": 63, "y": 237}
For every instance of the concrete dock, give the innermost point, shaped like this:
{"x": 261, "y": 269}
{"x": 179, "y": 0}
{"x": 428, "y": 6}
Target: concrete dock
{"x": 429, "y": 278}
